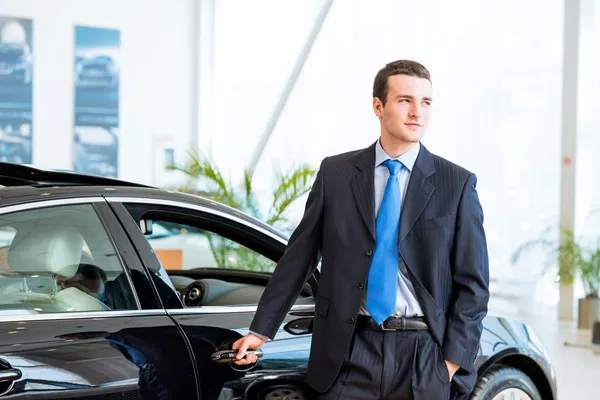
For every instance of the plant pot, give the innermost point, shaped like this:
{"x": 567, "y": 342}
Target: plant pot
{"x": 596, "y": 333}
{"x": 589, "y": 312}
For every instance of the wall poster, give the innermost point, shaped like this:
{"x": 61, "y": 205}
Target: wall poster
{"x": 16, "y": 77}
{"x": 96, "y": 130}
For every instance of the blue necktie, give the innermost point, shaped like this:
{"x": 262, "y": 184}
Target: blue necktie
{"x": 383, "y": 275}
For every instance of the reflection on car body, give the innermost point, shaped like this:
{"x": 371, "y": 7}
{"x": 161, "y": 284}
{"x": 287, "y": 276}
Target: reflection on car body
{"x": 143, "y": 335}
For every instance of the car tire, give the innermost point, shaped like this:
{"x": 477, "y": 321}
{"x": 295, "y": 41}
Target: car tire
{"x": 283, "y": 392}
{"x": 500, "y": 382}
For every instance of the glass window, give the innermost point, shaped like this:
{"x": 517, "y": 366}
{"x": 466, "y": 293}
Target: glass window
{"x": 492, "y": 115}
{"x": 211, "y": 261}
{"x": 60, "y": 259}
{"x": 180, "y": 246}
{"x": 587, "y": 163}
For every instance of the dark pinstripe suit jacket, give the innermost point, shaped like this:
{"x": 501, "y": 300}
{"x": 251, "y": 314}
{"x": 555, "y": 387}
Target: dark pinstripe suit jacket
{"x": 441, "y": 240}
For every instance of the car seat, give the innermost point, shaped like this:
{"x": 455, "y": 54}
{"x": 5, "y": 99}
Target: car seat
{"x": 48, "y": 250}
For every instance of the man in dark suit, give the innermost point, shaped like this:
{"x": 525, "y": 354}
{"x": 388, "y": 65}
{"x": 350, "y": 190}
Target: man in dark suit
{"x": 404, "y": 275}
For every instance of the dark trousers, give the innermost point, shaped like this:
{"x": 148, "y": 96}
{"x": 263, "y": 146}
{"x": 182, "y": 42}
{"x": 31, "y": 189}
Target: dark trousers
{"x": 391, "y": 365}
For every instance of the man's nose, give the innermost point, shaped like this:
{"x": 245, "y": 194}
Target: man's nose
{"x": 415, "y": 111}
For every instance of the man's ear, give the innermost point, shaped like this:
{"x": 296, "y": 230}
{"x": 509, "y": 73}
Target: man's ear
{"x": 378, "y": 107}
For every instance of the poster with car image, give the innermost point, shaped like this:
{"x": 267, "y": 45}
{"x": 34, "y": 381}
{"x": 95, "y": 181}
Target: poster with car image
{"x": 96, "y": 79}
{"x": 16, "y": 76}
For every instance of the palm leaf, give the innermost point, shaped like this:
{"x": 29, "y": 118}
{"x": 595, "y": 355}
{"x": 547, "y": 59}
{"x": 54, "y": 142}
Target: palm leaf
{"x": 198, "y": 168}
{"x": 250, "y": 203}
{"x": 247, "y": 183}
{"x": 529, "y": 245}
{"x": 291, "y": 186}
{"x": 573, "y": 259}
{"x": 593, "y": 278}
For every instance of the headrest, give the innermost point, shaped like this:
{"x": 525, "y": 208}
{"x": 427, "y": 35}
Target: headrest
{"x": 46, "y": 248}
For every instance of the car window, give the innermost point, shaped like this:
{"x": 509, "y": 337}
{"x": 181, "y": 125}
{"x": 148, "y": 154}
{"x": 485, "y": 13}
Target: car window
{"x": 181, "y": 246}
{"x": 211, "y": 260}
{"x": 60, "y": 259}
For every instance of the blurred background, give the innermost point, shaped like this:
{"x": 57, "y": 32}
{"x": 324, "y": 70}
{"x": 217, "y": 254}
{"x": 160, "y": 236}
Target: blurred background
{"x": 163, "y": 92}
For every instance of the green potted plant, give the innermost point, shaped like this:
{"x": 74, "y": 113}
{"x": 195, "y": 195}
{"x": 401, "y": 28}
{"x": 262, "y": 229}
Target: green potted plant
{"x": 575, "y": 259}
{"x": 289, "y": 187}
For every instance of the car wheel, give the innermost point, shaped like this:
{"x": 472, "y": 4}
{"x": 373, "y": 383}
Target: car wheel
{"x": 282, "y": 392}
{"x": 500, "y": 382}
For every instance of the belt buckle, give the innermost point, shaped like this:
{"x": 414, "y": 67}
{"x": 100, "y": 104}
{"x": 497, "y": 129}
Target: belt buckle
{"x": 383, "y": 328}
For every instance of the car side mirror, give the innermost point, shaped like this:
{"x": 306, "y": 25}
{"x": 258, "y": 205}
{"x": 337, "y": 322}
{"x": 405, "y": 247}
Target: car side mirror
{"x": 300, "y": 326}
{"x": 146, "y": 226}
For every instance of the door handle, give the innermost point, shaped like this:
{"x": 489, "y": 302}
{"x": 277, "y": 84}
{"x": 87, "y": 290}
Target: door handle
{"x": 9, "y": 375}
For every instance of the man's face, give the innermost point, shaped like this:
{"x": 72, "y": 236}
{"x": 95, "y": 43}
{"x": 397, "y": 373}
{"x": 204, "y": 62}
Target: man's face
{"x": 405, "y": 115}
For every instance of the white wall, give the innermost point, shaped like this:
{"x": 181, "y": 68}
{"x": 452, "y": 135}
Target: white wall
{"x": 157, "y": 80}
{"x": 497, "y": 87}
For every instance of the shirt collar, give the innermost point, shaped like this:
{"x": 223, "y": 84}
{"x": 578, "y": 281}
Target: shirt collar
{"x": 407, "y": 159}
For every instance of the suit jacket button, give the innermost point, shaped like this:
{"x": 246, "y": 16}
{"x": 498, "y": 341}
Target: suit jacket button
{"x": 369, "y": 252}
{"x": 360, "y": 285}
{"x": 351, "y": 320}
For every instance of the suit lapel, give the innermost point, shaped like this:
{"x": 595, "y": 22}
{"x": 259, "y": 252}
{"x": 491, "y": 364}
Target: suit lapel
{"x": 418, "y": 193}
{"x": 363, "y": 186}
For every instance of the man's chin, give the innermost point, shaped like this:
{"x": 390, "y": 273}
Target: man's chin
{"x": 411, "y": 137}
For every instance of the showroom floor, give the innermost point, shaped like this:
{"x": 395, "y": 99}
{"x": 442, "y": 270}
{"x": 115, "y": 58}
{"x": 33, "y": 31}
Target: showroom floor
{"x": 576, "y": 361}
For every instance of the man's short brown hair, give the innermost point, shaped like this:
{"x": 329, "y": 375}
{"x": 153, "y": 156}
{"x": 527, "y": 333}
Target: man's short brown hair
{"x": 400, "y": 67}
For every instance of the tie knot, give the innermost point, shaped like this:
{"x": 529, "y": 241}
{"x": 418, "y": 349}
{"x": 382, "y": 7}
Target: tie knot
{"x": 394, "y": 166}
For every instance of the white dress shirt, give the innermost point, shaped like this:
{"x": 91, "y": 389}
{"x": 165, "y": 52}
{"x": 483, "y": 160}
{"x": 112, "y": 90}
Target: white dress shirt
{"x": 406, "y": 298}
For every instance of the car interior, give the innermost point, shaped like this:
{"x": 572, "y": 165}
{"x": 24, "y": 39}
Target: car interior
{"x": 220, "y": 271}
{"x": 58, "y": 260}
{"x": 226, "y": 289}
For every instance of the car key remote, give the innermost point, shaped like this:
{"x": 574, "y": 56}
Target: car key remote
{"x": 228, "y": 356}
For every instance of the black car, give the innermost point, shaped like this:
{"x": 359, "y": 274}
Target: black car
{"x": 96, "y": 304}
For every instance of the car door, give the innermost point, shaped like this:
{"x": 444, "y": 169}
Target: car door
{"x": 79, "y": 317}
{"x": 219, "y": 263}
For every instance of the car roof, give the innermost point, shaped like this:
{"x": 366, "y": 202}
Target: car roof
{"x": 24, "y": 184}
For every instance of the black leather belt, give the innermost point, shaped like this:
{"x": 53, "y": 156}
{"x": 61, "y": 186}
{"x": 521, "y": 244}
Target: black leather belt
{"x": 394, "y": 323}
